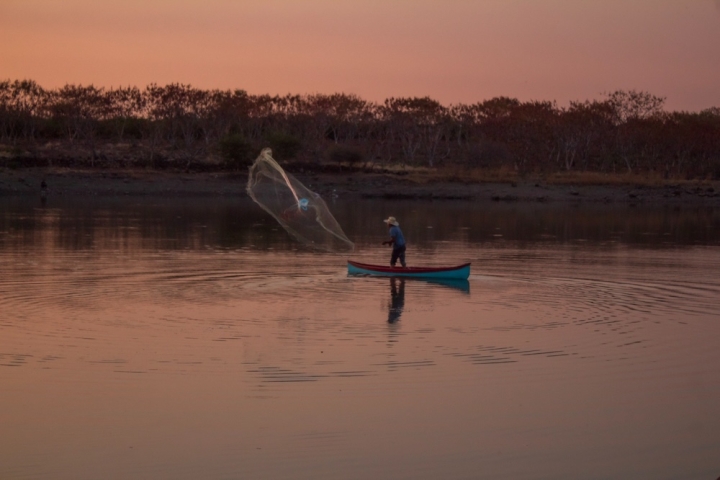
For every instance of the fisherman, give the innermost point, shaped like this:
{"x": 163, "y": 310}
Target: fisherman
{"x": 397, "y": 241}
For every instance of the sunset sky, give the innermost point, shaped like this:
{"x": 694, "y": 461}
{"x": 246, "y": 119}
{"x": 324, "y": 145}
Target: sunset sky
{"x": 451, "y": 50}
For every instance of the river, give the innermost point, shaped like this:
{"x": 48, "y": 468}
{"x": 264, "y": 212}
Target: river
{"x": 186, "y": 338}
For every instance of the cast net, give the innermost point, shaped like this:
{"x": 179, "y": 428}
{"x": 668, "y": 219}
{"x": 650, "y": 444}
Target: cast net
{"x": 299, "y": 210}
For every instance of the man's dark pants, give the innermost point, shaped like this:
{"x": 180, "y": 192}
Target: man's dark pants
{"x": 398, "y": 253}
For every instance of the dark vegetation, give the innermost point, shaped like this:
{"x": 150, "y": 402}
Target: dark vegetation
{"x": 180, "y": 126}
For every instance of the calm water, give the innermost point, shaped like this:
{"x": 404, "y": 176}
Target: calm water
{"x": 191, "y": 338}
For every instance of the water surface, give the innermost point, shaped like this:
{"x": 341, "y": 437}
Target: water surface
{"x": 192, "y": 338}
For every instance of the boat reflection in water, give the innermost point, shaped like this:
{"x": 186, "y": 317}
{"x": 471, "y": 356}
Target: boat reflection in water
{"x": 397, "y": 291}
{"x": 454, "y": 283}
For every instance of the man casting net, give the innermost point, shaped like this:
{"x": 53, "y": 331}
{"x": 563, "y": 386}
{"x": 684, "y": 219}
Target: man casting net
{"x": 299, "y": 210}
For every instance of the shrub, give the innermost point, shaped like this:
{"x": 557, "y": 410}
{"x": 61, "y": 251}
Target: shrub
{"x": 487, "y": 154}
{"x": 284, "y": 145}
{"x": 236, "y": 150}
{"x": 344, "y": 154}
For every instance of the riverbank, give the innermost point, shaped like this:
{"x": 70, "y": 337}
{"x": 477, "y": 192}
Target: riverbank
{"x": 73, "y": 182}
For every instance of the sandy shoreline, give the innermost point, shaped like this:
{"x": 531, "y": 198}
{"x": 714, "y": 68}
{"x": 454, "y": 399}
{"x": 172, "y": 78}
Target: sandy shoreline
{"x": 357, "y": 185}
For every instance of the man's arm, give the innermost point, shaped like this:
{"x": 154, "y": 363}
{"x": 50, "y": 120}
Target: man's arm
{"x": 391, "y": 241}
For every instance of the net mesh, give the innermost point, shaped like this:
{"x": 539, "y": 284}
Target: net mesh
{"x": 300, "y": 211}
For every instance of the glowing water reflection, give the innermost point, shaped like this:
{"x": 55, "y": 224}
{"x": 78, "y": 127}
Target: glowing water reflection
{"x": 193, "y": 339}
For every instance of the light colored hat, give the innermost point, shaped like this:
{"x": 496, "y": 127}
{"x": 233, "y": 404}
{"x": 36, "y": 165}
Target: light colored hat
{"x": 391, "y": 221}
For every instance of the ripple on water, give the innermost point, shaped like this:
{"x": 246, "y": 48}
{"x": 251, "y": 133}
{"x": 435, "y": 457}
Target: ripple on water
{"x": 306, "y": 299}
{"x": 278, "y": 356}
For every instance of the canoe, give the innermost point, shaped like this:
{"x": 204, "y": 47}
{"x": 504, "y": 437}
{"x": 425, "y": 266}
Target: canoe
{"x": 457, "y": 272}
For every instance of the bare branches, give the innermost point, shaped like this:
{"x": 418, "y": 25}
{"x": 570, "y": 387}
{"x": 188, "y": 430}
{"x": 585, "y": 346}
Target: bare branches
{"x": 627, "y": 130}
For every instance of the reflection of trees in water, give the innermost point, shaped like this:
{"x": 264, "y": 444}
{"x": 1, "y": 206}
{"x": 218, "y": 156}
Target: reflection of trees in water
{"x": 195, "y": 222}
{"x": 531, "y": 222}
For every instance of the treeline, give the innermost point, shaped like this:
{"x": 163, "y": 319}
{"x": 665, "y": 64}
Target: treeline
{"x": 627, "y": 131}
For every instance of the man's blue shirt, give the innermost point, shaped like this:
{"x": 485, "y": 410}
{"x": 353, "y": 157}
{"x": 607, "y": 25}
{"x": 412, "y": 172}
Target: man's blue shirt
{"x": 396, "y": 234}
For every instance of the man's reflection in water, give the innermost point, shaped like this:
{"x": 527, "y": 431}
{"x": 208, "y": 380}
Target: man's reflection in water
{"x": 395, "y": 308}
{"x": 397, "y": 299}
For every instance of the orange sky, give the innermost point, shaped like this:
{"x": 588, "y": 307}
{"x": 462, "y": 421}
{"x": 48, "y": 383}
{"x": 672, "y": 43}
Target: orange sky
{"x": 451, "y": 50}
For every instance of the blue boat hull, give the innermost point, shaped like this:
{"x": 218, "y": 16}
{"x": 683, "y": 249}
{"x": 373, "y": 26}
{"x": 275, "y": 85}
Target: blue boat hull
{"x": 461, "y": 272}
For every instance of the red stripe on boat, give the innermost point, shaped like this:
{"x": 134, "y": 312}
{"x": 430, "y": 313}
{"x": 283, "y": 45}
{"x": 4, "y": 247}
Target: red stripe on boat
{"x": 380, "y": 268}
